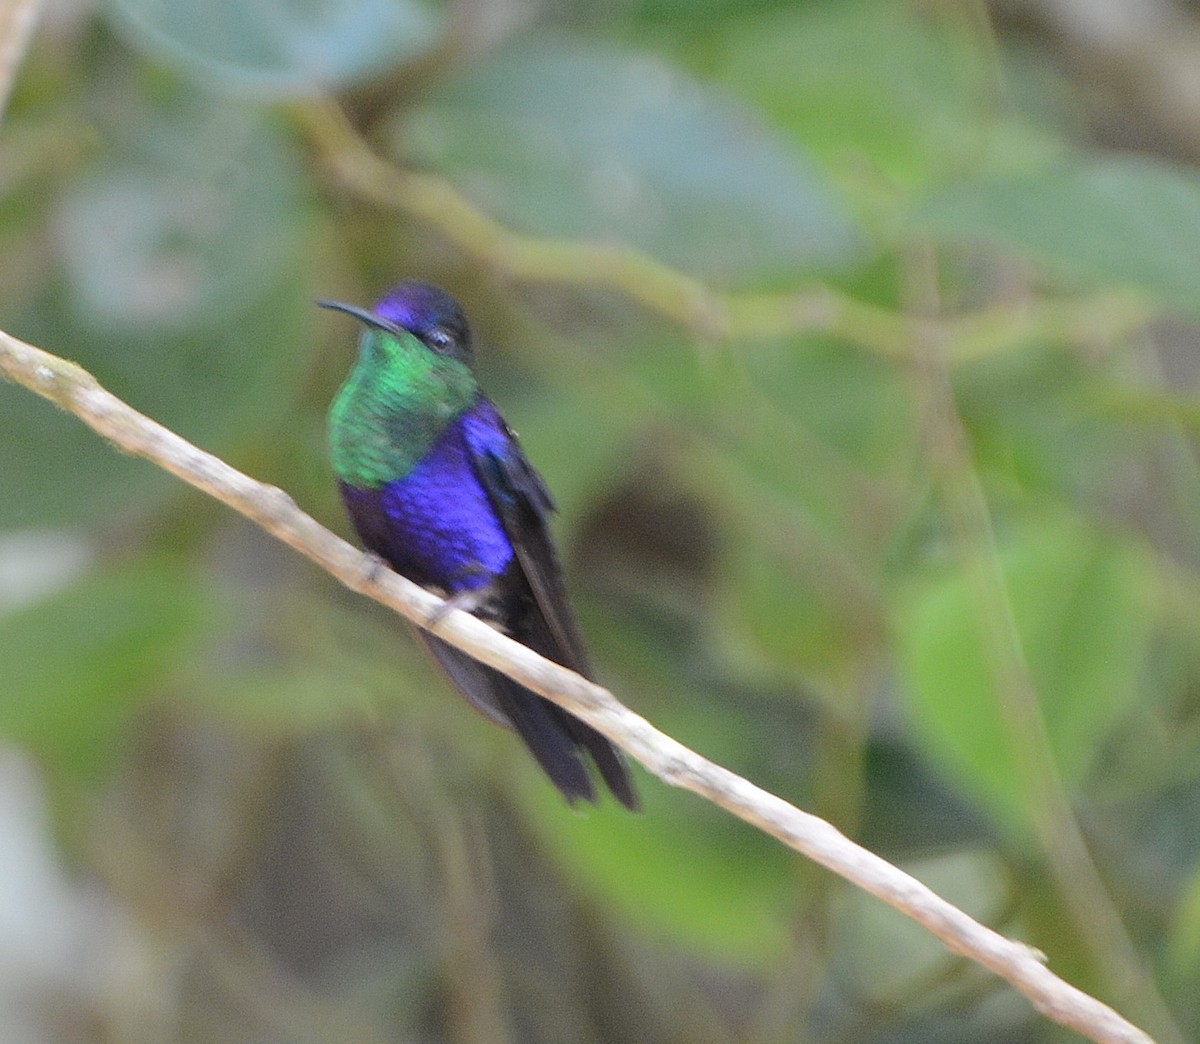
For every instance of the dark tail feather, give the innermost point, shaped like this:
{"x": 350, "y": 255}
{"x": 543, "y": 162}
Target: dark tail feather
{"x": 547, "y": 737}
{"x": 554, "y": 737}
{"x": 609, "y": 760}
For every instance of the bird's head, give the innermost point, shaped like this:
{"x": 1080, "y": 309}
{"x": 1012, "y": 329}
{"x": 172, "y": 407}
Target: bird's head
{"x": 421, "y": 310}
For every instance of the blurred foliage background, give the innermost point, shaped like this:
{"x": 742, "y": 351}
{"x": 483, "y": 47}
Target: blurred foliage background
{"x": 858, "y": 342}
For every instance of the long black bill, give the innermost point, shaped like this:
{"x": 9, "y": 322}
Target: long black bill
{"x": 362, "y": 315}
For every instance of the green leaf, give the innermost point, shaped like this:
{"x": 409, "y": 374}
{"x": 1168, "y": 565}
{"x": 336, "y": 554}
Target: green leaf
{"x": 180, "y": 291}
{"x": 316, "y": 664}
{"x": 851, "y": 405}
{"x": 281, "y": 46}
{"x": 1100, "y": 221}
{"x": 919, "y": 114}
{"x": 559, "y": 136}
{"x": 804, "y": 618}
{"x": 689, "y": 13}
{"x": 1035, "y": 417}
{"x": 732, "y": 901}
{"x": 1081, "y": 603}
{"x": 1184, "y": 939}
{"x": 76, "y": 664}
{"x": 190, "y": 219}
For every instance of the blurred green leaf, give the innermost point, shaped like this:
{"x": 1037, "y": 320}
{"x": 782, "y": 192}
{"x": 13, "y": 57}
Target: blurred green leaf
{"x": 60, "y": 472}
{"x": 187, "y": 221}
{"x": 691, "y": 12}
{"x": 795, "y": 609}
{"x": 294, "y": 699}
{"x": 733, "y": 899}
{"x": 1034, "y": 417}
{"x": 1184, "y": 941}
{"x": 181, "y": 292}
{"x": 281, "y": 46}
{"x": 846, "y": 414}
{"x": 317, "y": 663}
{"x": 561, "y": 136}
{"x": 791, "y": 444}
{"x": 911, "y": 808}
{"x": 1081, "y": 603}
{"x": 1101, "y": 220}
{"x": 76, "y": 664}
{"x": 920, "y": 114}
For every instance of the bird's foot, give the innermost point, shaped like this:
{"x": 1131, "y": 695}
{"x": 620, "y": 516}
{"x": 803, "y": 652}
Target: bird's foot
{"x": 373, "y": 567}
{"x": 468, "y": 601}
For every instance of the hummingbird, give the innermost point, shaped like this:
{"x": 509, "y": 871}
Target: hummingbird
{"x": 436, "y": 484}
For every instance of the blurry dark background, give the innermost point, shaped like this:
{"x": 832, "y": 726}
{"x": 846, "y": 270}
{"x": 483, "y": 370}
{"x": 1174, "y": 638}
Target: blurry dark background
{"x": 858, "y": 343}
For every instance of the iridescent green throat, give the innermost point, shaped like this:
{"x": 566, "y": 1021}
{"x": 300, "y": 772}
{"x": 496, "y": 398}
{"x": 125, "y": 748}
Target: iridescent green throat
{"x": 397, "y": 401}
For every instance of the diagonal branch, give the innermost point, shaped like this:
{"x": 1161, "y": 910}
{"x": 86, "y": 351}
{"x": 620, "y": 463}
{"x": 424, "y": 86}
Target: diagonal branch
{"x": 77, "y": 391}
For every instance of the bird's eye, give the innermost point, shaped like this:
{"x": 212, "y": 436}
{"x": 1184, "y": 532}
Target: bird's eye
{"x": 439, "y": 339}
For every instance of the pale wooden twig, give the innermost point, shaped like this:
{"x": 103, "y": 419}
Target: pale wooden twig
{"x": 77, "y": 391}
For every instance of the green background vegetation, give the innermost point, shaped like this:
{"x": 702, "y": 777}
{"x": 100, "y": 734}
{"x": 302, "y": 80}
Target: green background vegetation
{"x": 858, "y": 343}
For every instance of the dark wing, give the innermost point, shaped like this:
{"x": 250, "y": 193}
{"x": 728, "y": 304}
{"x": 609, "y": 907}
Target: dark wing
{"x": 524, "y": 505}
{"x": 542, "y": 617}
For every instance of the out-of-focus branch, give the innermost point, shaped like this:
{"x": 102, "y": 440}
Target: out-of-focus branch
{"x": 705, "y": 312}
{"x": 76, "y": 390}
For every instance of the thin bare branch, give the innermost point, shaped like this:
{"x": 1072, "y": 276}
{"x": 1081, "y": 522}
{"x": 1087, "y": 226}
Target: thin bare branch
{"x": 76, "y": 390}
